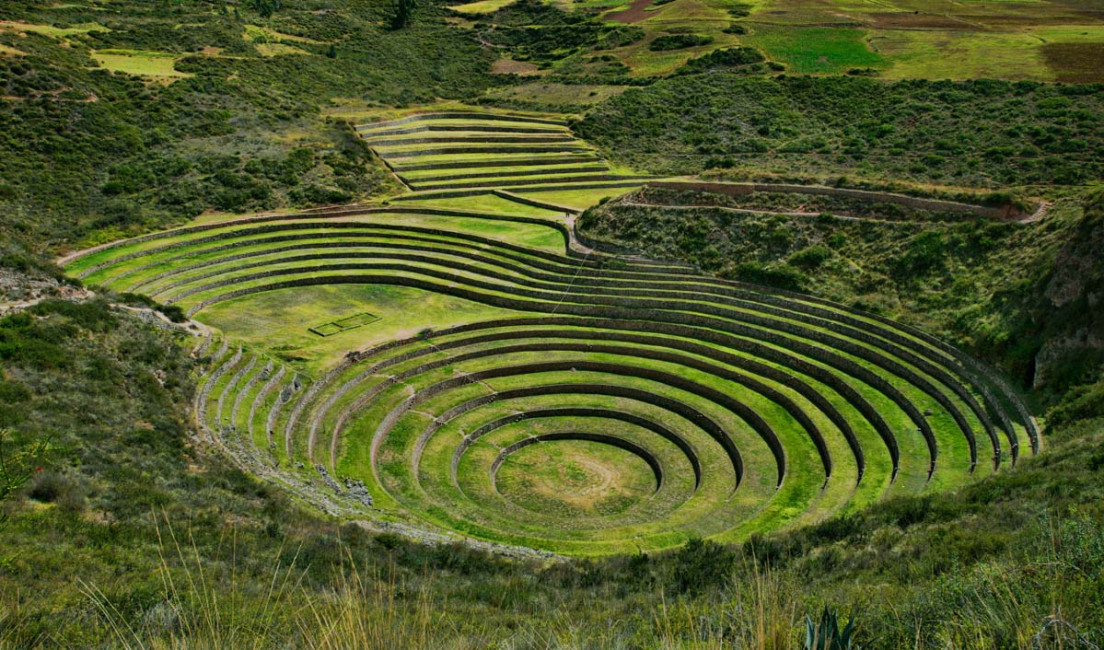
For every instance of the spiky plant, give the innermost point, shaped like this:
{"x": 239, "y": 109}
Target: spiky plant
{"x": 826, "y": 634}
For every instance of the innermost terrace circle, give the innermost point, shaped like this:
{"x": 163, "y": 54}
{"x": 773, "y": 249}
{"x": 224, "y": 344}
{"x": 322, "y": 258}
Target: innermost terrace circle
{"x": 568, "y": 475}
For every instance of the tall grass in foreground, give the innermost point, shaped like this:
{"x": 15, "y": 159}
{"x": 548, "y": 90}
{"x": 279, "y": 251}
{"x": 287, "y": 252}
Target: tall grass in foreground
{"x": 223, "y": 608}
{"x": 1029, "y": 605}
{"x": 762, "y": 612}
{"x": 1041, "y": 597}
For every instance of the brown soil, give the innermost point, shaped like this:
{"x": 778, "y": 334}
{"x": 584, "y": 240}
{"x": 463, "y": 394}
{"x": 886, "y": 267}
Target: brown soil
{"x": 634, "y": 14}
{"x": 1076, "y": 62}
{"x": 523, "y": 68}
{"x": 910, "y": 20}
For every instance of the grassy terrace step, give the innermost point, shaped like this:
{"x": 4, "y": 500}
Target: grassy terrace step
{"x": 388, "y": 146}
{"x": 498, "y": 161}
{"x": 713, "y": 408}
{"x": 400, "y": 152}
{"x": 509, "y": 181}
{"x": 629, "y": 181}
{"x": 471, "y": 126}
{"x": 429, "y": 175}
{"x": 479, "y": 116}
{"x": 417, "y": 146}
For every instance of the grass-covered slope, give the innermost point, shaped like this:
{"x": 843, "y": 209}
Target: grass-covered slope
{"x": 1021, "y": 294}
{"x": 242, "y": 131}
{"x": 462, "y": 153}
{"x": 975, "y": 133}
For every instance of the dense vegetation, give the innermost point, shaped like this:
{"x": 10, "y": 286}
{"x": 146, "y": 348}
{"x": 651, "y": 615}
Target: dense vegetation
{"x": 976, "y": 133}
{"x": 544, "y": 33}
{"x": 87, "y": 151}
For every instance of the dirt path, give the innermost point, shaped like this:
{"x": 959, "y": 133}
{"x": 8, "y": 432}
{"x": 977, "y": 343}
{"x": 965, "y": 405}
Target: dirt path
{"x": 637, "y": 204}
{"x": 1041, "y": 212}
{"x": 1031, "y": 218}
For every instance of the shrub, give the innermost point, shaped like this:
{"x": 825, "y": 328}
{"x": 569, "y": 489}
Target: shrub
{"x": 733, "y": 57}
{"x": 771, "y": 275}
{"x": 701, "y": 565}
{"x": 19, "y": 463}
{"x": 678, "y": 42}
{"x": 809, "y": 259}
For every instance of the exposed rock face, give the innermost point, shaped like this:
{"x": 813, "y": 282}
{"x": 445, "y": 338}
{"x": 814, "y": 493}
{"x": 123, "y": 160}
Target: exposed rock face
{"x": 357, "y": 490}
{"x": 1058, "y": 351}
{"x": 327, "y": 479}
{"x": 1072, "y": 304}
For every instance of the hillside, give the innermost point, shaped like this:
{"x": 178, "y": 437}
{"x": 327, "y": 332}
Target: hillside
{"x": 533, "y": 324}
{"x": 1022, "y": 295}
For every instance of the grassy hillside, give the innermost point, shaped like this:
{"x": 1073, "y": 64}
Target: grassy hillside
{"x": 1022, "y": 295}
{"x": 238, "y": 129}
{"x": 978, "y": 133}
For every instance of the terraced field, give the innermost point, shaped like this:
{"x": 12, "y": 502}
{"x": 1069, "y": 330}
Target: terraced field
{"x": 458, "y": 153}
{"x": 502, "y": 384}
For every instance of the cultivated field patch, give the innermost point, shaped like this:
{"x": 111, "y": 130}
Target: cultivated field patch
{"x": 156, "y": 65}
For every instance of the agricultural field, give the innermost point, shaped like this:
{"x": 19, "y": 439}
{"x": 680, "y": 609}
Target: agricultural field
{"x": 552, "y": 324}
{"x": 1041, "y": 41}
{"x": 159, "y": 66}
{"x": 1051, "y": 40}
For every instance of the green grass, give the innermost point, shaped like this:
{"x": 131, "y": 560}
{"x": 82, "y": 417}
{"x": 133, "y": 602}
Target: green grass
{"x": 557, "y": 93}
{"x": 827, "y": 50}
{"x": 578, "y": 199}
{"x": 404, "y": 150}
{"x": 51, "y": 30}
{"x": 259, "y": 34}
{"x": 481, "y": 7}
{"x": 146, "y": 64}
{"x": 276, "y": 319}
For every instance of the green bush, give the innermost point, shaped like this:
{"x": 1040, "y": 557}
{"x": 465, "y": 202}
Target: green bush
{"x": 678, "y": 41}
{"x": 771, "y": 275}
{"x": 727, "y": 59}
{"x": 811, "y": 258}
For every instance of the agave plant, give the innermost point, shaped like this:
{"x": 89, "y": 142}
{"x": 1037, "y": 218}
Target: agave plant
{"x": 826, "y": 634}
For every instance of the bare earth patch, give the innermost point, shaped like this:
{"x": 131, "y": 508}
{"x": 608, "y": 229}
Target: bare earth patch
{"x": 523, "y": 68}
{"x": 1076, "y": 62}
{"x": 636, "y": 12}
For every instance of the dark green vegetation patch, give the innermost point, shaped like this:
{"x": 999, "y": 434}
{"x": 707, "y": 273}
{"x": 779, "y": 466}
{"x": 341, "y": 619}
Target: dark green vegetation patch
{"x": 975, "y": 133}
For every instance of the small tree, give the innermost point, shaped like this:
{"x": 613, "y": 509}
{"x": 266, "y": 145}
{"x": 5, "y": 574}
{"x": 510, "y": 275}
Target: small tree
{"x": 404, "y": 13}
{"x": 266, "y": 7}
